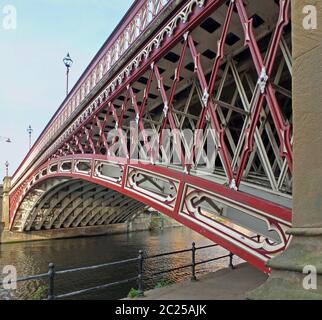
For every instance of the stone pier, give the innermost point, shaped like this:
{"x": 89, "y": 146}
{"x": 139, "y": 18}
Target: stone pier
{"x": 289, "y": 279}
{"x": 4, "y": 207}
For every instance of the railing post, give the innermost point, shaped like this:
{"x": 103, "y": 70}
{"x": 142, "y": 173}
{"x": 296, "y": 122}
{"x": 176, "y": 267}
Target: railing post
{"x": 51, "y": 279}
{"x": 140, "y": 276}
{"x": 193, "y": 264}
{"x": 231, "y": 264}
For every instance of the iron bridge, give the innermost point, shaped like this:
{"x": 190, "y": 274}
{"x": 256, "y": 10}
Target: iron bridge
{"x": 197, "y": 65}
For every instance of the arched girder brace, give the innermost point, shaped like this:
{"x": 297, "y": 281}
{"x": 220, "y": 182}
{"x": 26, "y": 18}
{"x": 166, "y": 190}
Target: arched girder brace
{"x": 85, "y": 218}
{"x": 102, "y": 212}
{"x": 77, "y": 221}
{"x": 195, "y": 183}
{"x": 44, "y": 200}
{"x": 131, "y": 212}
{"x": 126, "y": 205}
{"x": 60, "y": 198}
{"x": 116, "y": 207}
{"x": 87, "y": 200}
{"x": 37, "y": 191}
{"x": 103, "y": 216}
{"x": 124, "y": 216}
{"x": 98, "y": 202}
{"x": 75, "y": 200}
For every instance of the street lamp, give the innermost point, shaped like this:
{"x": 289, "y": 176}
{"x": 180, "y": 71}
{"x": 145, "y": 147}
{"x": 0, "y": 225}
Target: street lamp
{"x": 68, "y": 62}
{"x": 7, "y": 168}
{"x": 30, "y": 131}
{"x": 7, "y": 140}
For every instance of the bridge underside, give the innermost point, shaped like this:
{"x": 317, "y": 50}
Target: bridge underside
{"x": 213, "y": 69}
{"x": 70, "y": 203}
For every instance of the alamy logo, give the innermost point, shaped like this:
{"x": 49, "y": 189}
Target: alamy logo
{"x": 9, "y": 20}
{"x": 310, "y": 21}
{"x": 10, "y": 278}
{"x": 310, "y": 281}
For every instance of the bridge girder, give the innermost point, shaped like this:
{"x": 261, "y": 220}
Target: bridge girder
{"x": 98, "y": 201}
{"x": 72, "y": 206}
{"x": 50, "y": 212}
{"x": 43, "y": 201}
{"x": 99, "y": 208}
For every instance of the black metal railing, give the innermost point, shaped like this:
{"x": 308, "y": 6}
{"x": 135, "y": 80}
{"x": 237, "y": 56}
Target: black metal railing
{"x": 193, "y": 263}
{"x": 52, "y": 274}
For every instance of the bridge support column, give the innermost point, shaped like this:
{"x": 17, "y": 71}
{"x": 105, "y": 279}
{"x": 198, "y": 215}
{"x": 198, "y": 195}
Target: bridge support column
{"x": 5, "y": 219}
{"x": 290, "y": 278}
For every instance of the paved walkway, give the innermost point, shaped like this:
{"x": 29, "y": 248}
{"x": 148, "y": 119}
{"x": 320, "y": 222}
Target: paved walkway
{"x": 224, "y": 284}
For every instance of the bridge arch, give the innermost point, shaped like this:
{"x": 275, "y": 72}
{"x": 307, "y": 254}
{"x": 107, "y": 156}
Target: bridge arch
{"x": 89, "y": 190}
{"x": 64, "y": 202}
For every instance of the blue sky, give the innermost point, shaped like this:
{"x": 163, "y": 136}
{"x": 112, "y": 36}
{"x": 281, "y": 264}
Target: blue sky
{"x": 32, "y": 75}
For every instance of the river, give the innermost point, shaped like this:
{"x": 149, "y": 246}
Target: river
{"x": 34, "y": 257}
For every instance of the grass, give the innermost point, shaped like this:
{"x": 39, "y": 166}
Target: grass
{"x": 163, "y": 283}
{"x": 40, "y": 293}
{"x": 133, "y": 293}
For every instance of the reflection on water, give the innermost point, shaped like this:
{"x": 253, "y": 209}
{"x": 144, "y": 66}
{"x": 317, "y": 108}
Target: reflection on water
{"x": 34, "y": 257}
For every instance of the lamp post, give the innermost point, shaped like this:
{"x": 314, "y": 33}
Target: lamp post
{"x": 7, "y": 168}
{"x": 7, "y": 140}
{"x": 30, "y": 131}
{"x": 68, "y": 62}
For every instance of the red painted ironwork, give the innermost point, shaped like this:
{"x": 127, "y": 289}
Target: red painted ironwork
{"x": 186, "y": 191}
{"x": 282, "y": 129}
{"x": 183, "y": 185}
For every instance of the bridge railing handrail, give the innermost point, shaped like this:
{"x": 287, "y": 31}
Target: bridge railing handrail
{"x": 52, "y": 273}
{"x": 104, "y": 265}
{"x": 180, "y": 251}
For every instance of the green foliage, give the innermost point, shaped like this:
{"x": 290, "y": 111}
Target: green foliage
{"x": 40, "y": 293}
{"x": 163, "y": 283}
{"x": 133, "y": 293}
{"x": 155, "y": 222}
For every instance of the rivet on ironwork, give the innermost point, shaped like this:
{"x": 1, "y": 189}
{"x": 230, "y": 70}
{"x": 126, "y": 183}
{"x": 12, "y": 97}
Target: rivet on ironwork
{"x": 233, "y": 185}
{"x": 201, "y": 3}
{"x": 262, "y": 81}
{"x": 205, "y": 98}
{"x": 165, "y": 109}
